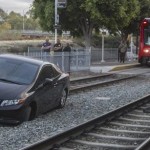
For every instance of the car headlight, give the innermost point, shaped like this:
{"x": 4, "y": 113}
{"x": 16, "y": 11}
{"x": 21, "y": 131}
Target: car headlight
{"x": 16, "y": 101}
{"x": 11, "y": 102}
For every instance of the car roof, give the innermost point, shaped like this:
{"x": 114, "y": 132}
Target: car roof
{"x": 24, "y": 58}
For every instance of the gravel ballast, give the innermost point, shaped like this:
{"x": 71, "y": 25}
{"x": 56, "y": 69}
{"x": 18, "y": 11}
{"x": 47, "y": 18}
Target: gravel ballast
{"x": 79, "y": 108}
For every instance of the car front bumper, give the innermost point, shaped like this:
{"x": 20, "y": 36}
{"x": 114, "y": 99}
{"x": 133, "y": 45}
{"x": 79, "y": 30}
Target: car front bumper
{"x": 12, "y": 114}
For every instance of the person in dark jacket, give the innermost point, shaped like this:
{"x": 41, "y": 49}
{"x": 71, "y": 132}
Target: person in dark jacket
{"x": 58, "y": 54}
{"x": 67, "y": 50}
{"x": 58, "y": 46}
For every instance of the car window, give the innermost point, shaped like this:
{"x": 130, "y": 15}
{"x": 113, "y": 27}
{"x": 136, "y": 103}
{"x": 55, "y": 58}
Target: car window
{"x": 17, "y": 71}
{"x": 56, "y": 70}
{"x": 46, "y": 72}
{"x": 56, "y": 73}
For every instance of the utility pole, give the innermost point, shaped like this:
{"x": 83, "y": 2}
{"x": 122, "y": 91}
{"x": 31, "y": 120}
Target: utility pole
{"x": 23, "y": 22}
{"x": 56, "y": 20}
{"x": 131, "y": 46}
{"x": 103, "y": 34}
{"x": 58, "y": 4}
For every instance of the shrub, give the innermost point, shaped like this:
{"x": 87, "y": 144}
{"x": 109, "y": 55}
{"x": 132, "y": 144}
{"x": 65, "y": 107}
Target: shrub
{"x": 109, "y": 41}
{"x": 9, "y": 35}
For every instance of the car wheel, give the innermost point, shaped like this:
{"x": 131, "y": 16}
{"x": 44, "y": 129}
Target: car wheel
{"x": 63, "y": 99}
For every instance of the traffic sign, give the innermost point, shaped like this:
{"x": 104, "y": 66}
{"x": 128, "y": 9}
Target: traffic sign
{"x": 61, "y": 3}
{"x": 57, "y": 26}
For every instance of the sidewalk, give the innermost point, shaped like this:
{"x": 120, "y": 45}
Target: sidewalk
{"x": 105, "y": 67}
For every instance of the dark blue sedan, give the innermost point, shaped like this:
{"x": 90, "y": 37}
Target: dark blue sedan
{"x": 29, "y": 87}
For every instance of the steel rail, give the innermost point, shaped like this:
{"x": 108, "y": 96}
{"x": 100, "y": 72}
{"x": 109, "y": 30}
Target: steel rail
{"x": 56, "y": 140}
{"x": 83, "y": 79}
{"x": 95, "y": 84}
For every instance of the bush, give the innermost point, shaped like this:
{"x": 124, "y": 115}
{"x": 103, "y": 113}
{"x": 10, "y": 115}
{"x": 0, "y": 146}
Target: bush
{"x": 9, "y": 35}
{"x": 109, "y": 41}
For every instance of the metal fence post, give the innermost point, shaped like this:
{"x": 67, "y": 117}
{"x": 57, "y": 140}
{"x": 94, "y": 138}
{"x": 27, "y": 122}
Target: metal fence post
{"x": 63, "y": 64}
{"x": 28, "y": 50}
{"x": 41, "y": 55}
{"x": 77, "y": 59}
{"x": 102, "y": 49}
{"x": 89, "y": 57}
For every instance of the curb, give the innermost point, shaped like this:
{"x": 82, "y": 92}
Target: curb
{"x": 127, "y": 66}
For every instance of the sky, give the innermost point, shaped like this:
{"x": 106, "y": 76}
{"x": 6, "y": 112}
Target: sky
{"x": 19, "y": 6}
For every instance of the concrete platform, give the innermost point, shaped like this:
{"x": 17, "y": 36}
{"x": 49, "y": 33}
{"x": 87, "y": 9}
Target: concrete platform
{"x": 112, "y": 66}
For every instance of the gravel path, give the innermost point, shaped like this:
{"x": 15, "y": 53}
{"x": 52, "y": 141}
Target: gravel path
{"x": 80, "y": 108}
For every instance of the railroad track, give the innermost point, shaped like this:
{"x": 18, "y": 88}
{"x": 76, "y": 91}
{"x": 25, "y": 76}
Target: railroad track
{"x": 90, "y": 82}
{"x": 126, "y": 128}
{"x": 97, "y": 139}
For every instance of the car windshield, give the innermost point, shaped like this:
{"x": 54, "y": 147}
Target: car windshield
{"x": 16, "y": 71}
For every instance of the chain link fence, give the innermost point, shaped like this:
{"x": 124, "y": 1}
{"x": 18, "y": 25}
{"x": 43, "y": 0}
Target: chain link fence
{"x": 76, "y": 60}
{"x": 110, "y": 54}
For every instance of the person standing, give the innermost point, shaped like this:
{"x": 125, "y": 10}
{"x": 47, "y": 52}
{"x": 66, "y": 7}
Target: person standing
{"x": 58, "y": 54}
{"x": 122, "y": 51}
{"x": 67, "y": 50}
{"x": 46, "y": 46}
{"x": 58, "y": 46}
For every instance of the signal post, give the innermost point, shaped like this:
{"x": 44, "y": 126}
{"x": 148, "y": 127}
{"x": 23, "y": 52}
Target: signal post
{"x": 58, "y": 4}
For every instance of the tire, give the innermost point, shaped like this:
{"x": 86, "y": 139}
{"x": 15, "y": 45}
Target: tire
{"x": 62, "y": 101}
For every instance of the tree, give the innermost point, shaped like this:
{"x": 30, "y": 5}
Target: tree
{"x": 82, "y": 16}
{"x": 133, "y": 27}
{"x": 117, "y": 15}
{"x": 5, "y": 26}
{"x": 15, "y": 19}
{"x": 74, "y": 18}
{"x": 32, "y": 24}
{"x": 44, "y": 10}
{"x": 3, "y": 15}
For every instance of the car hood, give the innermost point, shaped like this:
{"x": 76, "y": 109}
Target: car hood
{"x": 11, "y": 91}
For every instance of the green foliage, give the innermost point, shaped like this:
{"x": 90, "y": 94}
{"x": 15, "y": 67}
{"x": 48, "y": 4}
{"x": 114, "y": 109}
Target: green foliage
{"x": 110, "y": 41}
{"x": 3, "y": 15}
{"x": 4, "y": 26}
{"x": 15, "y": 19}
{"x": 119, "y": 15}
{"x": 45, "y": 11}
{"x": 82, "y": 16}
{"x": 144, "y": 12}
